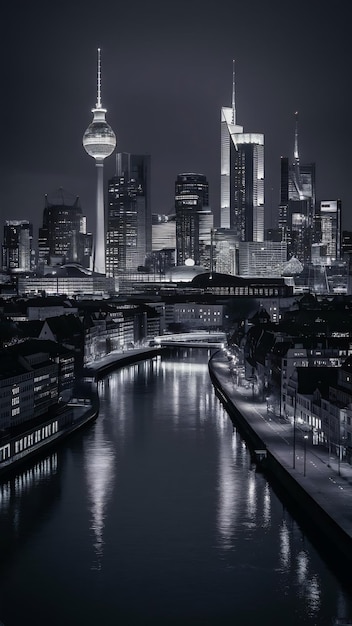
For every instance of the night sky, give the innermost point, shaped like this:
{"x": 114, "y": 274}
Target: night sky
{"x": 166, "y": 71}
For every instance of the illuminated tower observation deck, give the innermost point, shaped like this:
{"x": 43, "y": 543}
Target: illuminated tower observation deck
{"x": 99, "y": 141}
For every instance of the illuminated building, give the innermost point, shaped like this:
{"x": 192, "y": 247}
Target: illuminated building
{"x": 206, "y": 223}
{"x": 129, "y": 229}
{"x": 99, "y": 141}
{"x": 242, "y": 177}
{"x": 297, "y": 219}
{"x": 71, "y": 280}
{"x": 61, "y": 239}
{"x": 164, "y": 232}
{"x": 266, "y": 258}
{"x": 224, "y": 251}
{"x": 191, "y": 199}
{"x": 163, "y": 255}
{"x": 17, "y": 246}
{"x": 194, "y": 315}
{"x": 330, "y": 228}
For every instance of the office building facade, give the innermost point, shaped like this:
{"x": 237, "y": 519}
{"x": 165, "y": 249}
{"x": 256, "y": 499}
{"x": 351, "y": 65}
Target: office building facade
{"x": 129, "y": 223}
{"x": 266, "y": 258}
{"x": 192, "y": 214}
{"x": 297, "y": 210}
{"x": 62, "y": 238}
{"x": 330, "y": 228}
{"x": 17, "y": 246}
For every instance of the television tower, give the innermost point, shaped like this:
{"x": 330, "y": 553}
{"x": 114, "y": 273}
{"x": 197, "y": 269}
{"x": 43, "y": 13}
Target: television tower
{"x": 99, "y": 142}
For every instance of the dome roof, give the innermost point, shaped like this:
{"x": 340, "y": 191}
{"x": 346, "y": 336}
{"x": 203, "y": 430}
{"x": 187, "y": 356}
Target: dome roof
{"x": 70, "y": 270}
{"x": 185, "y": 273}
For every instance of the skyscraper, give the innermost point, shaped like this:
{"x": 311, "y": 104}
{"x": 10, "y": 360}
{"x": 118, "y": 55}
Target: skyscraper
{"x": 242, "y": 176}
{"x": 129, "y": 229}
{"x": 191, "y": 198}
{"x": 61, "y": 238}
{"x": 330, "y": 228}
{"x": 17, "y": 246}
{"x": 99, "y": 141}
{"x": 297, "y": 204}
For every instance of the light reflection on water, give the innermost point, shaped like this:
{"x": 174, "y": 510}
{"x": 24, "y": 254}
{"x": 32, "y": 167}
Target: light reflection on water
{"x": 160, "y": 517}
{"x": 99, "y": 459}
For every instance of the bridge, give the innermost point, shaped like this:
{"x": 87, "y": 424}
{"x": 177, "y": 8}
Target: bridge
{"x": 195, "y": 339}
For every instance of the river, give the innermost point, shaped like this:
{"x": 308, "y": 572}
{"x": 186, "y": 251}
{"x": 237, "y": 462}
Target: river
{"x": 155, "y": 514}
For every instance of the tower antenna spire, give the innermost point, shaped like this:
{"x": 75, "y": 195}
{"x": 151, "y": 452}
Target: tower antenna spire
{"x": 98, "y": 81}
{"x": 233, "y": 92}
{"x": 295, "y": 152}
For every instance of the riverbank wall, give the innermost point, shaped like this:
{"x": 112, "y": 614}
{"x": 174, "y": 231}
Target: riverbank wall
{"x": 326, "y": 514}
{"x": 100, "y": 368}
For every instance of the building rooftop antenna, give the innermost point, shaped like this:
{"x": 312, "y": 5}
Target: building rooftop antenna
{"x": 233, "y": 93}
{"x": 295, "y": 152}
{"x": 98, "y": 81}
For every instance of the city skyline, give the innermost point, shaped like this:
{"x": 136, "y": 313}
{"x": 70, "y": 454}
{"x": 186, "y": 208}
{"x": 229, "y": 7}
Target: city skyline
{"x": 165, "y": 96}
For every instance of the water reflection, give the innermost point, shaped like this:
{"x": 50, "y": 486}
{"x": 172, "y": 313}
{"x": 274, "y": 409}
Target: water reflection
{"x": 100, "y": 474}
{"x": 159, "y": 511}
{"x": 266, "y": 506}
{"x": 312, "y": 593}
{"x": 285, "y": 548}
{"x": 229, "y": 490}
{"x": 20, "y": 484}
{"x": 26, "y": 497}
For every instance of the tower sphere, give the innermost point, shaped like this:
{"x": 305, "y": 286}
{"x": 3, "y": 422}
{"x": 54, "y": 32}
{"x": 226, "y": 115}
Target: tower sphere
{"x": 99, "y": 140}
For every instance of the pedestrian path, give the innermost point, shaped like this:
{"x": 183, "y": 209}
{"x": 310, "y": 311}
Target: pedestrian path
{"x": 323, "y": 477}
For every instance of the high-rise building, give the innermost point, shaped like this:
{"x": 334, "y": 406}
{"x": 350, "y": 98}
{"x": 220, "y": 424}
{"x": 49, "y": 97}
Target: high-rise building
{"x": 62, "y": 238}
{"x": 129, "y": 229}
{"x": 164, "y": 232}
{"x": 297, "y": 218}
{"x": 330, "y": 228}
{"x": 346, "y": 245}
{"x": 163, "y": 255}
{"x": 266, "y": 258}
{"x": 206, "y": 225}
{"x": 191, "y": 199}
{"x": 99, "y": 141}
{"x": 242, "y": 176}
{"x": 224, "y": 251}
{"x": 17, "y": 246}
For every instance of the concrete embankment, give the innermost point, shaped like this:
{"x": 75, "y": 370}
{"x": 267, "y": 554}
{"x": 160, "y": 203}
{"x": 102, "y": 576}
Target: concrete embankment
{"x": 114, "y": 360}
{"x": 321, "y": 496}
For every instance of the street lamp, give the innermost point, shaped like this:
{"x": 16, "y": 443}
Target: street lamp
{"x": 305, "y": 454}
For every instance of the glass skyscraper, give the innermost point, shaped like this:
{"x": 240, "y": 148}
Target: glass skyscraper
{"x": 61, "y": 238}
{"x": 17, "y": 246}
{"x": 242, "y": 177}
{"x": 297, "y": 218}
{"x": 191, "y": 200}
{"x": 330, "y": 228}
{"x": 129, "y": 224}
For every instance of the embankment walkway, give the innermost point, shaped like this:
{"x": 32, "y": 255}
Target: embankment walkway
{"x": 307, "y": 473}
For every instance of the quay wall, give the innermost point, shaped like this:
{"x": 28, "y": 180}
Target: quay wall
{"x": 309, "y": 512}
{"x": 100, "y": 369}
